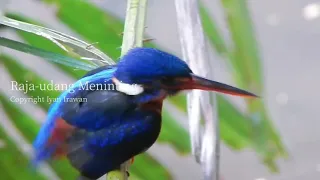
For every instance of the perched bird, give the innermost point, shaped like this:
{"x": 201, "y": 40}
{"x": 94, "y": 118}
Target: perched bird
{"x": 113, "y": 113}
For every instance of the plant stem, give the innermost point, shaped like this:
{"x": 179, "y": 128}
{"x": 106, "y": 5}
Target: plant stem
{"x": 194, "y": 50}
{"x": 130, "y": 26}
{"x": 141, "y": 23}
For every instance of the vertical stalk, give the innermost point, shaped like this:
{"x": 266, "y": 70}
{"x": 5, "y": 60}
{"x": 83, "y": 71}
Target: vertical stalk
{"x": 141, "y": 22}
{"x": 134, "y": 25}
{"x": 132, "y": 37}
{"x": 195, "y": 53}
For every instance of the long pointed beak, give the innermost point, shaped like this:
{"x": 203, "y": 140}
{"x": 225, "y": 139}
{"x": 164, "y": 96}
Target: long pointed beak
{"x": 201, "y": 83}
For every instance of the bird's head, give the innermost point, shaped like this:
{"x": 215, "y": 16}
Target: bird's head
{"x": 153, "y": 74}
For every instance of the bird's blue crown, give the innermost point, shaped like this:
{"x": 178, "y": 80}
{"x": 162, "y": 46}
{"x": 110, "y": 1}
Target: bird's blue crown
{"x": 143, "y": 65}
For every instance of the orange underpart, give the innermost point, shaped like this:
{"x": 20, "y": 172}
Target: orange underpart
{"x": 60, "y": 133}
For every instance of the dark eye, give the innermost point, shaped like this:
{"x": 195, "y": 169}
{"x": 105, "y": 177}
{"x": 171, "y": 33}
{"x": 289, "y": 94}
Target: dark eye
{"x": 167, "y": 80}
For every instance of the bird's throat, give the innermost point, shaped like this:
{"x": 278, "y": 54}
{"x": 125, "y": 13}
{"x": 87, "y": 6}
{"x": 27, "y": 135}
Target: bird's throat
{"x": 155, "y": 105}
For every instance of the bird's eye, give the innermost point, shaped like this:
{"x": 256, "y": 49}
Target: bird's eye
{"x": 167, "y": 80}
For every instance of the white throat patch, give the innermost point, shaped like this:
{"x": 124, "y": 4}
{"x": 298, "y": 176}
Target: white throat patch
{"x": 129, "y": 89}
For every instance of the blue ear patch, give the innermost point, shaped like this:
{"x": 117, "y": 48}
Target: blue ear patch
{"x": 142, "y": 65}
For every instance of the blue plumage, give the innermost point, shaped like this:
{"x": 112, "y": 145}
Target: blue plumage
{"x": 144, "y": 65}
{"x": 55, "y": 112}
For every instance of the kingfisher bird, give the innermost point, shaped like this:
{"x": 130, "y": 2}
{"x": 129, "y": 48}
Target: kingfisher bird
{"x": 98, "y": 128}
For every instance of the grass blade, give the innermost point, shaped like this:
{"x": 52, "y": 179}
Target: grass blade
{"x": 64, "y": 41}
{"x": 50, "y": 56}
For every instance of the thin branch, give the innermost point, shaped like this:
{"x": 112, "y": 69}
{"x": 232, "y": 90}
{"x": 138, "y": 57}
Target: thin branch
{"x": 195, "y": 53}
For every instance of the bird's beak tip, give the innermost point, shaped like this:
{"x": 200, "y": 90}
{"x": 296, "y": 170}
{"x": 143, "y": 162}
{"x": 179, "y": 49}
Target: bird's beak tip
{"x": 201, "y": 83}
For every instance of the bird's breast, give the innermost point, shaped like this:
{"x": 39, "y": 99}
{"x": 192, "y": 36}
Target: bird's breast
{"x": 155, "y": 106}
{"x": 152, "y": 122}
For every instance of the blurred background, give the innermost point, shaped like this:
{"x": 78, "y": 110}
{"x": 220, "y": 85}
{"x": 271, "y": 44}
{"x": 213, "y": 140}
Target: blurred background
{"x": 277, "y": 138}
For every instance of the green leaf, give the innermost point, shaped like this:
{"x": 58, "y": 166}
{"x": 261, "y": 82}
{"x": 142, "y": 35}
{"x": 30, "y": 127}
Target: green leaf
{"x": 104, "y": 28}
{"x": 173, "y": 132}
{"x": 29, "y": 129}
{"x": 141, "y": 167}
{"x": 270, "y": 141}
{"x": 72, "y": 45}
{"x": 247, "y": 56}
{"x": 245, "y": 46}
{"x": 180, "y": 100}
{"x": 118, "y": 175}
{"x": 212, "y": 31}
{"x": 43, "y": 43}
{"x": 12, "y": 161}
{"x": 217, "y": 41}
{"x": 53, "y": 57}
{"x": 28, "y": 126}
{"x": 244, "y": 57}
{"x": 28, "y": 79}
{"x": 236, "y": 128}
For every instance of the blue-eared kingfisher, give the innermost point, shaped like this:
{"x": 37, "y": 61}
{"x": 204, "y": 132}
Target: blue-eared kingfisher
{"x": 113, "y": 113}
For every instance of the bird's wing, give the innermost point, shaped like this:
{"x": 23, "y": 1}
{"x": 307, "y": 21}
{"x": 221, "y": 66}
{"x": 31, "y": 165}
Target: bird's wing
{"x": 102, "y": 109}
{"x": 107, "y": 137}
{"x": 95, "y": 109}
{"x": 80, "y": 107}
{"x": 96, "y": 153}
